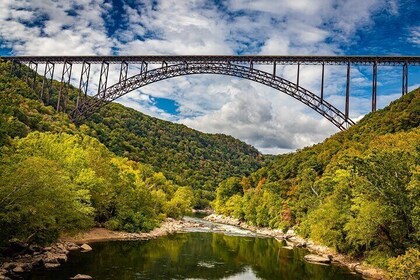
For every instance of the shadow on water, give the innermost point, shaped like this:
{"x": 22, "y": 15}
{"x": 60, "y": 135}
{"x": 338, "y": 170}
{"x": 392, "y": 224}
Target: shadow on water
{"x": 195, "y": 255}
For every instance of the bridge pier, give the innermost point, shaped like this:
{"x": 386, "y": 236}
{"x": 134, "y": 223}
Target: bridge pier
{"x": 84, "y": 82}
{"x": 103, "y": 78}
{"x": 374, "y": 85}
{"x": 123, "y": 71}
{"x": 143, "y": 68}
{"x": 405, "y": 79}
{"x": 47, "y": 81}
{"x": 64, "y": 86}
{"x": 347, "y": 92}
{"x": 274, "y": 69}
{"x": 322, "y": 83}
{"x": 33, "y": 66}
{"x": 297, "y": 76}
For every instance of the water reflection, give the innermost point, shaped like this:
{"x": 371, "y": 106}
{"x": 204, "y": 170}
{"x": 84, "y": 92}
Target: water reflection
{"x": 194, "y": 256}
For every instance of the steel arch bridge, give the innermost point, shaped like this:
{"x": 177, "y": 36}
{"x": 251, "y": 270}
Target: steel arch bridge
{"x": 174, "y": 66}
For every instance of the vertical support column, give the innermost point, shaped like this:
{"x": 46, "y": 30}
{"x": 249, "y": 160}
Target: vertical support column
{"x": 143, "y": 69}
{"x": 103, "y": 78}
{"x": 123, "y": 71}
{"x": 322, "y": 82}
{"x": 405, "y": 79}
{"x": 274, "y": 69}
{"x": 47, "y": 81}
{"x": 297, "y": 78}
{"x": 164, "y": 66}
{"x": 64, "y": 86}
{"x": 12, "y": 67}
{"x": 374, "y": 84}
{"x": 33, "y": 66}
{"x": 347, "y": 91}
{"x": 84, "y": 82}
{"x": 251, "y": 66}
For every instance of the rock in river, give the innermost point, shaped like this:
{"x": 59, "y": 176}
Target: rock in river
{"x": 81, "y": 277}
{"x": 317, "y": 259}
{"x": 85, "y": 248}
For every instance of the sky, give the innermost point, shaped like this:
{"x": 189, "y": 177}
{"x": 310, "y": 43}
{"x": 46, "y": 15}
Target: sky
{"x": 268, "y": 119}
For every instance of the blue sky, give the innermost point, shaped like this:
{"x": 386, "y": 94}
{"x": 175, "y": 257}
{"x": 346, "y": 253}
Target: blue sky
{"x": 269, "y": 120}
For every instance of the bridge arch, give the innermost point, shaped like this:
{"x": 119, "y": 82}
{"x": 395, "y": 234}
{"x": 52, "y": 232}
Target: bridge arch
{"x": 328, "y": 111}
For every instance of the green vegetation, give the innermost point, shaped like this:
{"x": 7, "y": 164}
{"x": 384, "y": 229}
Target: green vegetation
{"x": 55, "y": 177}
{"x": 183, "y": 155}
{"x": 60, "y": 182}
{"x": 357, "y": 192}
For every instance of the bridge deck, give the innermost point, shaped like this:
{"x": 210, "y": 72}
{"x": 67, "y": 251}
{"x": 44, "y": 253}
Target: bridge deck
{"x": 238, "y": 59}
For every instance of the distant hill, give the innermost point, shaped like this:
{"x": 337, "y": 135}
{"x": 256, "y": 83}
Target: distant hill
{"x": 184, "y": 155}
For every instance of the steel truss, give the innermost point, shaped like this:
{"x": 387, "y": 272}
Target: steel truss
{"x": 235, "y": 59}
{"x": 64, "y": 86}
{"x": 47, "y": 81}
{"x": 303, "y": 95}
{"x": 33, "y": 66}
{"x": 84, "y": 82}
{"x": 172, "y": 66}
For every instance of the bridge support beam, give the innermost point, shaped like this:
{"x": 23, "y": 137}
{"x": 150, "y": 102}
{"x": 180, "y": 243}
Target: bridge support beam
{"x": 103, "y": 78}
{"x": 347, "y": 92}
{"x": 123, "y": 71}
{"x": 47, "y": 81}
{"x": 64, "y": 86}
{"x": 164, "y": 66}
{"x": 297, "y": 77}
{"x": 143, "y": 69}
{"x": 374, "y": 85}
{"x": 84, "y": 82}
{"x": 405, "y": 79}
{"x": 274, "y": 69}
{"x": 322, "y": 83}
{"x": 33, "y": 66}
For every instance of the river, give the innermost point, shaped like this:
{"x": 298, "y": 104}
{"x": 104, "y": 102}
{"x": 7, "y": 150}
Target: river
{"x": 213, "y": 251}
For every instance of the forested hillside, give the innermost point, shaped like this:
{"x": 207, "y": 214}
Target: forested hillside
{"x": 183, "y": 155}
{"x": 358, "y": 191}
{"x": 55, "y": 178}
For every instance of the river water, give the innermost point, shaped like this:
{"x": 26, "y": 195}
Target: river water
{"x": 213, "y": 251}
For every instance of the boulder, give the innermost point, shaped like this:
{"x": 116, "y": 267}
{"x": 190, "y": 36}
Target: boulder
{"x": 9, "y": 265}
{"x": 34, "y": 249}
{"x": 317, "y": 259}
{"x": 81, "y": 277}
{"x": 86, "y": 248}
{"x": 18, "y": 269}
{"x": 51, "y": 265}
{"x": 72, "y": 247}
{"x": 51, "y": 258}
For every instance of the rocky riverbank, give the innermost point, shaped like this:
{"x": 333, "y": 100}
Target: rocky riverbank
{"x": 322, "y": 253}
{"x": 54, "y": 255}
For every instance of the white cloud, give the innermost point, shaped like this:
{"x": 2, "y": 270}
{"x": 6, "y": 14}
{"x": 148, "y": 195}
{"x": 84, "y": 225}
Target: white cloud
{"x": 414, "y": 36}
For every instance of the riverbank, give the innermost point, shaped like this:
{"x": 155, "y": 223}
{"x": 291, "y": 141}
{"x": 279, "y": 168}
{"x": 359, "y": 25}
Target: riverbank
{"x": 292, "y": 239}
{"x": 56, "y": 254}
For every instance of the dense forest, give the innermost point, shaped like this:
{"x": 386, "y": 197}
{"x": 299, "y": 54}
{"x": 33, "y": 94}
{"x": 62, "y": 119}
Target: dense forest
{"x": 358, "y": 191}
{"x": 58, "y": 177}
{"x": 185, "y": 156}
